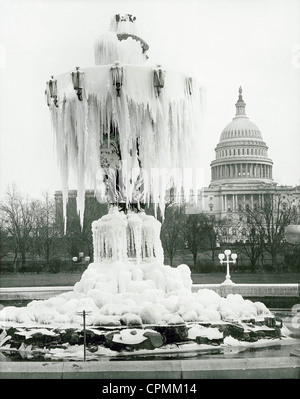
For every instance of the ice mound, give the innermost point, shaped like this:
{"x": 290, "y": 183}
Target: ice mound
{"x": 130, "y": 294}
{"x": 128, "y": 284}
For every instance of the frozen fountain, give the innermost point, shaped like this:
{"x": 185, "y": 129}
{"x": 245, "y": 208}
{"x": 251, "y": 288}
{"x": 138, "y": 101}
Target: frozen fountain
{"x": 128, "y": 129}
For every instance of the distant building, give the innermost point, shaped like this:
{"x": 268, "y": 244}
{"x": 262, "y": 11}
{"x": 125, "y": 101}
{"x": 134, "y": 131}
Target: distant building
{"x": 242, "y": 176}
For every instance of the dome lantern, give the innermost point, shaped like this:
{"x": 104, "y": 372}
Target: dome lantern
{"x": 240, "y": 105}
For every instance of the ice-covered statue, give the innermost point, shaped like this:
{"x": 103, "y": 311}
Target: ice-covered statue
{"x": 129, "y": 130}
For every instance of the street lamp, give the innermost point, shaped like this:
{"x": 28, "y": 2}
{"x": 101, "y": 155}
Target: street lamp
{"x": 292, "y": 234}
{"x": 117, "y": 74}
{"x": 158, "y": 78}
{"x": 81, "y": 258}
{"x": 51, "y": 91}
{"x": 84, "y": 313}
{"x": 77, "y": 79}
{"x": 227, "y": 254}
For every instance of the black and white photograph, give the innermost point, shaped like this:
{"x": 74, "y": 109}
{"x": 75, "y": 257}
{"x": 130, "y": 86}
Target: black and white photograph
{"x": 149, "y": 193}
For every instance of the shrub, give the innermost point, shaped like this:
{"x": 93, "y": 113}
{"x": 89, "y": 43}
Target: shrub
{"x": 292, "y": 259}
{"x": 205, "y": 266}
{"x": 66, "y": 266}
{"x": 269, "y": 268}
{"x": 55, "y": 265}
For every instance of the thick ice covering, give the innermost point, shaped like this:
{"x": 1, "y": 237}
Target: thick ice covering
{"x": 156, "y": 131}
{"x": 126, "y": 293}
{"x": 166, "y": 128}
{"x": 117, "y": 237}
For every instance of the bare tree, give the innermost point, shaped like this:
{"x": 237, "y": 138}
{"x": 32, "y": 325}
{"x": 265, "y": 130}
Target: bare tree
{"x": 5, "y": 239}
{"x": 211, "y": 227}
{"x": 171, "y": 230}
{"x": 253, "y": 247}
{"x": 194, "y": 233}
{"x": 19, "y": 217}
{"x": 44, "y": 230}
{"x": 269, "y": 220}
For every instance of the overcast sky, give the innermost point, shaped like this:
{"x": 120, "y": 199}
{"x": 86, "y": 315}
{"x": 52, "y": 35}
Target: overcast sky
{"x": 226, "y": 43}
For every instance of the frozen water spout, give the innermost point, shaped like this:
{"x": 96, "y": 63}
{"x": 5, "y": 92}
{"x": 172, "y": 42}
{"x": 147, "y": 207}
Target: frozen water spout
{"x": 134, "y": 237}
{"x": 121, "y": 43}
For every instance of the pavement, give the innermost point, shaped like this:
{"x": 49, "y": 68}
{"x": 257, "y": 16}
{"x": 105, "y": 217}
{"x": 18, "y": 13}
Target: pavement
{"x": 249, "y": 368}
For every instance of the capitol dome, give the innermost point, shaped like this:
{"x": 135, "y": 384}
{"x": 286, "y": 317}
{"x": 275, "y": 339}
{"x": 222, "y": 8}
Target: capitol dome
{"x": 241, "y": 154}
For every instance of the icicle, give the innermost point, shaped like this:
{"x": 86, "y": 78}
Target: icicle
{"x": 109, "y": 237}
{"x": 151, "y": 244}
{"x": 135, "y": 237}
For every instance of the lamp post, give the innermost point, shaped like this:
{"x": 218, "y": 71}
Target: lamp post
{"x": 227, "y": 254}
{"x": 81, "y": 258}
{"x": 77, "y": 79}
{"x": 158, "y": 78}
{"x": 51, "y": 91}
{"x": 84, "y": 313}
{"x": 117, "y": 74}
{"x": 292, "y": 234}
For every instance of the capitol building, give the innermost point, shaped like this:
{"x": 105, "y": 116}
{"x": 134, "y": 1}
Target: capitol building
{"x": 242, "y": 177}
